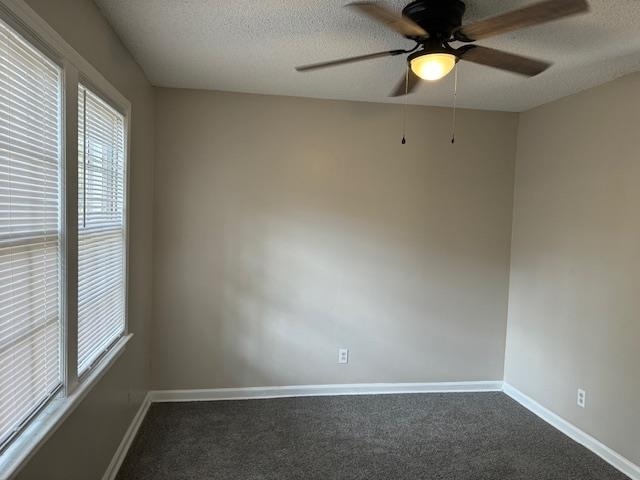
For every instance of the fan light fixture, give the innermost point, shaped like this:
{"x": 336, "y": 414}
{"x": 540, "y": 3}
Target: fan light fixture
{"x": 432, "y": 66}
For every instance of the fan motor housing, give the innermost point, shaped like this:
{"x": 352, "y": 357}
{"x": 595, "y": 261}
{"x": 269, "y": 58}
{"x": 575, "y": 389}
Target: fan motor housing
{"x": 438, "y": 17}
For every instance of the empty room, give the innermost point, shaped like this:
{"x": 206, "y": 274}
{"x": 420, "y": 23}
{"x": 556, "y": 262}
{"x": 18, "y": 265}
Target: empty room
{"x": 291, "y": 240}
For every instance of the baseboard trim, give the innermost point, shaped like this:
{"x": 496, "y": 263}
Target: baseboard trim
{"x": 320, "y": 390}
{"x": 608, "y": 455}
{"x": 125, "y": 444}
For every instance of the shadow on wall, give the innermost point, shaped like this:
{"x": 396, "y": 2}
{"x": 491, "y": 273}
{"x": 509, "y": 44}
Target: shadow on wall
{"x": 273, "y": 258}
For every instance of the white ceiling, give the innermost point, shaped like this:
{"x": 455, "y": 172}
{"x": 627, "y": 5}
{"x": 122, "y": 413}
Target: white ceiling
{"x": 253, "y": 46}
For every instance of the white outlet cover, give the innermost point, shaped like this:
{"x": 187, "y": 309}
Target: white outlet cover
{"x": 582, "y": 398}
{"x": 343, "y": 355}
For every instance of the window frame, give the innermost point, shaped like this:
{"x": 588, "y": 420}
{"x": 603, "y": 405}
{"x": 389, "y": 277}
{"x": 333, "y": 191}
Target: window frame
{"x": 75, "y": 70}
{"x": 12, "y": 435}
{"x": 125, "y": 111}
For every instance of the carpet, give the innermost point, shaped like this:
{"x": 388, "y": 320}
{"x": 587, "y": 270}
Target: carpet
{"x": 452, "y": 436}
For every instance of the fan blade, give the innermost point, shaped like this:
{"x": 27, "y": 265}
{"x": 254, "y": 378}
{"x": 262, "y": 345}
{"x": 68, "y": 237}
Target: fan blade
{"x": 525, "y": 17}
{"x": 344, "y": 61}
{"x": 401, "y": 24}
{"x": 406, "y": 87}
{"x": 510, "y": 62}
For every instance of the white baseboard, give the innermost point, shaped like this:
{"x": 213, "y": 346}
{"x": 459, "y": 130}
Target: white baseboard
{"x": 613, "y": 458}
{"x": 125, "y": 444}
{"x": 320, "y": 390}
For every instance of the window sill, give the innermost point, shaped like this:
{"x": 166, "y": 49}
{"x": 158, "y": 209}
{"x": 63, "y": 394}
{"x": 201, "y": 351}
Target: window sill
{"x": 48, "y": 421}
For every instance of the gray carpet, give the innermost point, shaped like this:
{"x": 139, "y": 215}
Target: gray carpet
{"x": 479, "y": 436}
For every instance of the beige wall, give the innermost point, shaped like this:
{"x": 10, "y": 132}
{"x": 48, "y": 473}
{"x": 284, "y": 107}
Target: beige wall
{"x": 286, "y": 228}
{"x": 575, "y": 270}
{"x": 82, "y": 448}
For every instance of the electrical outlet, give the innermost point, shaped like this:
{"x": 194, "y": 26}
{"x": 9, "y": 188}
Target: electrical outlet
{"x": 582, "y": 398}
{"x": 343, "y": 355}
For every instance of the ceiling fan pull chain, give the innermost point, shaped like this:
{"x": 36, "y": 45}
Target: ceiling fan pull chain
{"x": 455, "y": 104}
{"x": 404, "y": 108}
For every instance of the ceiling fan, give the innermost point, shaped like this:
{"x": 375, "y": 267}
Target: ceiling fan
{"x": 435, "y": 24}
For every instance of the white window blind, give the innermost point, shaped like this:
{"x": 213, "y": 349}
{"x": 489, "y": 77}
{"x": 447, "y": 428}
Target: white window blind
{"x": 30, "y": 160}
{"x": 101, "y": 227}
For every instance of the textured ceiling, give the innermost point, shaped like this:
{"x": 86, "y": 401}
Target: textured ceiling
{"x": 252, "y": 46}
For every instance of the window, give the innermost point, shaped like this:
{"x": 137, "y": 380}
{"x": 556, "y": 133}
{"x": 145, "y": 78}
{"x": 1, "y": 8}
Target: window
{"x": 63, "y": 235}
{"x": 30, "y": 260}
{"x": 101, "y": 232}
